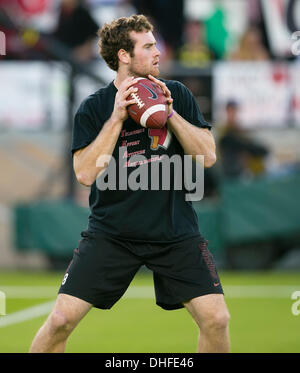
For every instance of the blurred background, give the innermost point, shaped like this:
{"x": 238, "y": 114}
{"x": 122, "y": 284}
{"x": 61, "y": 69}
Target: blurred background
{"x": 241, "y": 60}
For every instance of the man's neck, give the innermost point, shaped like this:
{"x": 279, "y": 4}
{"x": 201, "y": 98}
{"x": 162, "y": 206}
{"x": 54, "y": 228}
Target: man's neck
{"x": 120, "y": 77}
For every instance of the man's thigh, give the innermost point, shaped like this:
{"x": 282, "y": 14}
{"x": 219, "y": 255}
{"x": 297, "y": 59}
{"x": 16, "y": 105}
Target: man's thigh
{"x": 182, "y": 271}
{"x": 100, "y": 271}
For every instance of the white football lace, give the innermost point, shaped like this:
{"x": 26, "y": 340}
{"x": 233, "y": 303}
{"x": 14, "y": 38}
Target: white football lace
{"x": 139, "y": 102}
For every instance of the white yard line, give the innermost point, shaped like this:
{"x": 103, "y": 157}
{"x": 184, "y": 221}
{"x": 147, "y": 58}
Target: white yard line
{"x": 26, "y": 314}
{"x": 31, "y": 292}
{"x": 260, "y": 291}
{"x": 231, "y": 291}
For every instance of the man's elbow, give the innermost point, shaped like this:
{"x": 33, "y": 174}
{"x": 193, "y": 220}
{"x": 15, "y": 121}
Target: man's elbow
{"x": 210, "y": 160}
{"x": 84, "y": 179}
{"x": 88, "y": 178}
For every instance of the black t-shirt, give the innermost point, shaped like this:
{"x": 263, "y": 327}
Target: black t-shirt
{"x": 148, "y": 215}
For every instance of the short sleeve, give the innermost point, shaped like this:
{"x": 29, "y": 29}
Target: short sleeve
{"x": 189, "y": 108}
{"x": 84, "y": 129}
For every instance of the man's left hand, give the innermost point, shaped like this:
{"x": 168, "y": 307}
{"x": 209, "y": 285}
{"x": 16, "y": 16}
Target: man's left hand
{"x": 165, "y": 90}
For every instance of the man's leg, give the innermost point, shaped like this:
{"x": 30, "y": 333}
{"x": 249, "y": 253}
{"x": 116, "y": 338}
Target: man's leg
{"x": 211, "y": 315}
{"x": 64, "y": 317}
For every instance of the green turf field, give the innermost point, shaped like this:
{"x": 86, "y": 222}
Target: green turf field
{"x": 260, "y": 305}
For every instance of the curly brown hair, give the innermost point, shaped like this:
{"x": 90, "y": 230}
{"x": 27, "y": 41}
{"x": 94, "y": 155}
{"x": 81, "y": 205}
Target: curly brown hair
{"x": 115, "y": 36}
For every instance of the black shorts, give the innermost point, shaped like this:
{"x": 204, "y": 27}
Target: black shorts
{"x": 103, "y": 267}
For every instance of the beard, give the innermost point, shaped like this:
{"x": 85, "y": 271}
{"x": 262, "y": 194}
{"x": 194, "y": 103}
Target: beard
{"x": 136, "y": 70}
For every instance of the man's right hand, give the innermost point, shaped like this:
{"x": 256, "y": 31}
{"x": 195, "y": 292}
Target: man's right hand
{"x": 121, "y": 103}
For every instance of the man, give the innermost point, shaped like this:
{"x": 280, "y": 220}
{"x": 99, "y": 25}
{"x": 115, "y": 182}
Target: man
{"x": 239, "y": 154}
{"x": 79, "y": 39}
{"x": 127, "y": 228}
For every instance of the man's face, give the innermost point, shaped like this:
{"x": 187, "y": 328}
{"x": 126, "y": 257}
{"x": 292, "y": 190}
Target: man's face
{"x": 145, "y": 58}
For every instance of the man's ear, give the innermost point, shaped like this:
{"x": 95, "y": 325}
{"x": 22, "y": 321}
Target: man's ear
{"x": 124, "y": 56}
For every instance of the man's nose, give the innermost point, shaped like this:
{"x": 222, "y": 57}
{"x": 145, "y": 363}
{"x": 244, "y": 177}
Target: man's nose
{"x": 157, "y": 52}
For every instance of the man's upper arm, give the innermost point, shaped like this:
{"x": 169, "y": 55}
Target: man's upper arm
{"x": 85, "y": 129}
{"x": 76, "y": 157}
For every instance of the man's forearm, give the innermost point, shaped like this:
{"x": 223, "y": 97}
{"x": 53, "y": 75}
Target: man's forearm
{"x": 86, "y": 160}
{"x": 194, "y": 140}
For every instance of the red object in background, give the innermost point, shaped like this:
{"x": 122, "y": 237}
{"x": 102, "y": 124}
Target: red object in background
{"x": 5, "y": 3}
{"x": 280, "y": 74}
{"x": 33, "y": 6}
{"x": 296, "y": 103}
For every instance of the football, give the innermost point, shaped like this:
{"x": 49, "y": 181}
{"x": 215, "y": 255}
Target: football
{"x": 151, "y": 108}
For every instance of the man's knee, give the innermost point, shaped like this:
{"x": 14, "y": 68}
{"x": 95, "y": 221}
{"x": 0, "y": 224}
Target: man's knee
{"x": 66, "y": 314}
{"x": 60, "y": 323}
{"x": 216, "y": 320}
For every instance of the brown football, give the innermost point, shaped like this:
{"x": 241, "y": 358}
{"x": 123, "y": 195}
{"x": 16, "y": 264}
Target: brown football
{"x": 151, "y": 108}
